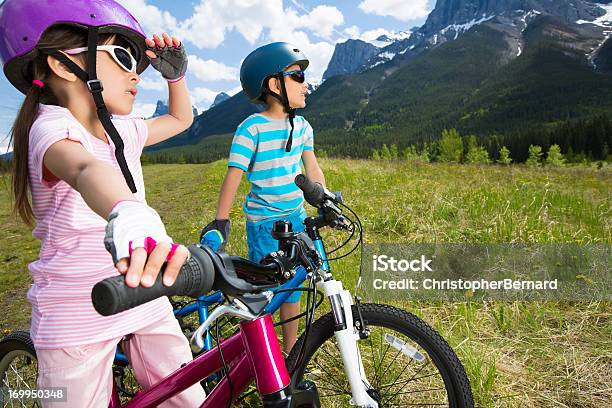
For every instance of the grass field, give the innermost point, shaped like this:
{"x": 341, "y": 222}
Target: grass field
{"x": 536, "y": 354}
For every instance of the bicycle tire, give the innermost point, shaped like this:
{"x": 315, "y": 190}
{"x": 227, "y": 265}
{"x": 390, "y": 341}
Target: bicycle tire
{"x": 411, "y": 330}
{"x": 18, "y": 367}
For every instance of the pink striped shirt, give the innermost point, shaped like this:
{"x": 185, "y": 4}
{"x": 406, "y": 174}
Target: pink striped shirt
{"x": 72, "y": 254}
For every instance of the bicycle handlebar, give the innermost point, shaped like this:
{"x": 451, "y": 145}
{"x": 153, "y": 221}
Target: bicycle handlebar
{"x": 207, "y": 270}
{"x": 314, "y": 193}
{"x": 112, "y": 295}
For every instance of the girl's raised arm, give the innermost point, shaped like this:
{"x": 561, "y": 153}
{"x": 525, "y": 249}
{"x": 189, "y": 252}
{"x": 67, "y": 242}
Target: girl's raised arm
{"x": 168, "y": 56}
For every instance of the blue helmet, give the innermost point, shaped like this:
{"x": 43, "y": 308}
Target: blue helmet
{"x": 266, "y": 61}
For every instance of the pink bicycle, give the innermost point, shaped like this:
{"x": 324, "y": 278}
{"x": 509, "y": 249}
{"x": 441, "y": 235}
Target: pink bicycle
{"x": 366, "y": 355}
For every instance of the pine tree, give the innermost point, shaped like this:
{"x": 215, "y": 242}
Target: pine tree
{"x": 476, "y": 154}
{"x": 535, "y": 155}
{"x": 375, "y": 155}
{"x": 410, "y": 153}
{"x": 393, "y": 152}
{"x": 504, "y": 156}
{"x": 451, "y": 146}
{"x": 555, "y": 157}
{"x": 385, "y": 153}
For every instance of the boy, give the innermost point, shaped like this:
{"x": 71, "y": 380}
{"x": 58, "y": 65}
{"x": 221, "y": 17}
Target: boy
{"x": 270, "y": 147}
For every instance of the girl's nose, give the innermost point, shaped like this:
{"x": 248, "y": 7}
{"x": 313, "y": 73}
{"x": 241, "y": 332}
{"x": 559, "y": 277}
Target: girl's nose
{"x": 135, "y": 78}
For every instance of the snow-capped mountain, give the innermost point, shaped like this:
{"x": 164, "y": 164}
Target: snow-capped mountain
{"x": 452, "y": 18}
{"x": 348, "y": 57}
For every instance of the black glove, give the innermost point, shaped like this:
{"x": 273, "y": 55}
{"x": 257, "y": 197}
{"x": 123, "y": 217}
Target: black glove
{"x": 223, "y": 226}
{"x": 170, "y": 61}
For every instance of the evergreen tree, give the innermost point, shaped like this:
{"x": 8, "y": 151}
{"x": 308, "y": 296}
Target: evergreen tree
{"x": 410, "y": 153}
{"x": 476, "y": 154}
{"x": 535, "y": 155}
{"x": 451, "y": 146}
{"x": 555, "y": 157}
{"x": 393, "y": 152}
{"x": 504, "y": 156}
{"x": 385, "y": 153}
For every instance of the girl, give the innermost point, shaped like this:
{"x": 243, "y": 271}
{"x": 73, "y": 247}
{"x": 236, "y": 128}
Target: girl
{"x": 78, "y": 64}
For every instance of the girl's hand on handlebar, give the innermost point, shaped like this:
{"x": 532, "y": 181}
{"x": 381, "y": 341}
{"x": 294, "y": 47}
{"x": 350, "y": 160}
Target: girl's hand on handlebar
{"x": 142, "y": 269}
{"x": 137, "y": 240}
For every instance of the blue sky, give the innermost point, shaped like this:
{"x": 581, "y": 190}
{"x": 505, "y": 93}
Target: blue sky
{"x": 218, "y": 34}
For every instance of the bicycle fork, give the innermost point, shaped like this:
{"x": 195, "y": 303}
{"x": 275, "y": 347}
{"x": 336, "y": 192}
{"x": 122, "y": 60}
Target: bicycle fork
{"x": 347, "y": 337}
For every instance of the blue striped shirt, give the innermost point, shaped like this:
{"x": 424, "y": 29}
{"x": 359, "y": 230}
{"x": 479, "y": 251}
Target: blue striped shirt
{"x": 258, "y": 148}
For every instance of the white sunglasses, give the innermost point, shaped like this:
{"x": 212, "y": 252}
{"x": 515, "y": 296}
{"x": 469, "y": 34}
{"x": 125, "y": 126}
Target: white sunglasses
{"x": 121, "y": 56}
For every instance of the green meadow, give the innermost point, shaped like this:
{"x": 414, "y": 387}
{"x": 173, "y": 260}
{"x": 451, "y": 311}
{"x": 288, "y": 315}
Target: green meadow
{"x": 517, "y": 354}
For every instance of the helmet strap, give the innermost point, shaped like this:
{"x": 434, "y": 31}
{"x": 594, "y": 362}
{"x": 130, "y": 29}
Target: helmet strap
{"x": 288, "y": 109}
{"x": 95, "y": 87}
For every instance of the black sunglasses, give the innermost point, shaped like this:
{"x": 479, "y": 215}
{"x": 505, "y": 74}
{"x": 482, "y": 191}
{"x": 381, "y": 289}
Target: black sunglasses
{"x": 297, "y": 75}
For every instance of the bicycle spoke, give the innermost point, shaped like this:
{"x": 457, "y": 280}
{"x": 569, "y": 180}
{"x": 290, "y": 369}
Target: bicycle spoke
{"x": 390, "y": 364}
{"x": 17, "y": 374}
{"x": 338, "y": 362}
{"x": 407, "y": 381}
{"x": 330, "y": 376}
{"x": 412, "y": 378}
{"x": 376, "y": 372}
{"x": 416, "y": 392}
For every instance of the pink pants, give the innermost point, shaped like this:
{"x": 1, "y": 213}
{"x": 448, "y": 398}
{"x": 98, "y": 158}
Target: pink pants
{"x": 154, "y": 352}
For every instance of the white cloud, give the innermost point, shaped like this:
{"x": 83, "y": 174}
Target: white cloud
{"x": 258, "y": 21}
{"x": 352, "y": 31}
{"x": 210, "y": 70}
{"x": 143, "y": 109}
{"x": 371, "y": 35}
{"x": 402, "y": 10}
{"x": 322, "y": 20}
{"x": 4, "y": 142}
{"x": 202, "y": 98}
{"x": 156, "y": 83}
{"x": 152, "y": 19}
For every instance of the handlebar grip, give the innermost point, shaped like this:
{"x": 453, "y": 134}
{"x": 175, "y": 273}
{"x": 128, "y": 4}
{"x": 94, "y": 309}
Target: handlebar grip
{"x": 314, "y": 193}
{"x": 113, "y": 295}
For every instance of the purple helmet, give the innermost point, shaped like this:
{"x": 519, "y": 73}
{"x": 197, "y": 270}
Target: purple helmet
{"x": 22, "y": 23}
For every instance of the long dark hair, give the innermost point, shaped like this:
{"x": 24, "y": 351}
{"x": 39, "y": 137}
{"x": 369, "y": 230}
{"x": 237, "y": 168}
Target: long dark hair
{"x": 61, "y": 37}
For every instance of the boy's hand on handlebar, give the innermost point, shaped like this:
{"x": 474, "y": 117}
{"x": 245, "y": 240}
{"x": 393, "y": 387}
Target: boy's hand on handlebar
{"x": 209, "y": 234}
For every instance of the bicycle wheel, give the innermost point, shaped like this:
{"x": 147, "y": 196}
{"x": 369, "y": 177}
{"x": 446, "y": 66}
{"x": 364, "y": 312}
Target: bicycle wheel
{"x": 405, "y": 361}
{"x": 18, "y": 368}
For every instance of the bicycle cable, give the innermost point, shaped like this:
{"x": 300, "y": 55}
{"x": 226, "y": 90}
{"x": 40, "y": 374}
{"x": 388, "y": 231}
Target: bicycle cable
{"x": 360, "y": 244}
{"x": 319, "y": 301}
{"x": 309, "y": 321}
{"x": 351, "y": 226}
{"x": 225, "y": 368}
{"x": 359, "y": 241}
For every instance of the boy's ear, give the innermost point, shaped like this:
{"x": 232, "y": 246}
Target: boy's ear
{"x": 273, "y": 85}
{"x": 60, "y": 69}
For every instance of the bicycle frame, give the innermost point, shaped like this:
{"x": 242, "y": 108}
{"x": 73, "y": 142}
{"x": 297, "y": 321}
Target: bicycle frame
{"x": 252, "y": 353}
{"x": 341, "y": 301}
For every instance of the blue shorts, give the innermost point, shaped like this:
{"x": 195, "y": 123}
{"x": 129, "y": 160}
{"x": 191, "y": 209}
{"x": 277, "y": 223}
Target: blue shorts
{"x": 261, "y": 243}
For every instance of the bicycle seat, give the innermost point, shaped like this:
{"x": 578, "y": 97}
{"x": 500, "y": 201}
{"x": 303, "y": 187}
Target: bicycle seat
{"x": 226, "y": 279}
